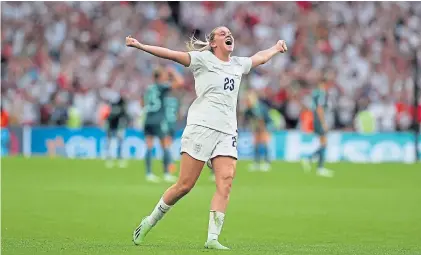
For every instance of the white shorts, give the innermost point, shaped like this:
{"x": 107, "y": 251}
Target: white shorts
{"x": 204, "y": 143}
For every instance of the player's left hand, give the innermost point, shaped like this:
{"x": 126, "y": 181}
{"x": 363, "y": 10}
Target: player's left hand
{"x": 131, "y": 42}
{"x": 281, "y": 46}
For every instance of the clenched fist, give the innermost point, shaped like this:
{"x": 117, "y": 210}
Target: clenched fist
{"x": 131, "y": 42}
{"x": 281, "y": 46}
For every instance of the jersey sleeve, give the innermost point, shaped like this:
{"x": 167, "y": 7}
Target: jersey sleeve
{"x": 196, "y": 61}
{"x": 246, "y": 64}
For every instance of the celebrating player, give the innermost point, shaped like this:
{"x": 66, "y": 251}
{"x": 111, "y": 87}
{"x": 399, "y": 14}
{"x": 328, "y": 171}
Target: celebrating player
{"x": 257, "y": 114}
{"x": 115, "y": 126}
{"x": 319, "y": 106}
{"x": 211, "y": 131}
{"x": 156, "y": 122}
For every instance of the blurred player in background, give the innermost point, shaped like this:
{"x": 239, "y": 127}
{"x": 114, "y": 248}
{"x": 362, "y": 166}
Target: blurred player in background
{"x": 257, "y": 116}
{"x": 319, "y": 107}
{"x": 156, "y": 121}
{"x": 115, "y": 126}
{"x": 172, "y": 108}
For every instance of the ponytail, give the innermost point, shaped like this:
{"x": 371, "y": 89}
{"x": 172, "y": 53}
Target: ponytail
{"x": 195, "y": 44}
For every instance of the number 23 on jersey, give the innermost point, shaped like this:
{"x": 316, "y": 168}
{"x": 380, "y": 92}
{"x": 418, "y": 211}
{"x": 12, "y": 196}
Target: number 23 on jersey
{"x": 229, "y": 84}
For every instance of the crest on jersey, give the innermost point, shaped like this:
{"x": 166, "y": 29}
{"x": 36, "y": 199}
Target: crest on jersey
{"x": 197, "y": 147}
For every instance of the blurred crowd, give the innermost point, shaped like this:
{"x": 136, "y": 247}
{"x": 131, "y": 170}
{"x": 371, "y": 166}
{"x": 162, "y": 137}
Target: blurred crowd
{"x": 58, "y": 56}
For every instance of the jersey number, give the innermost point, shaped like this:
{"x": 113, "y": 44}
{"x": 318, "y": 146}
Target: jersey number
{"x": 153, "y": 103}
{"x": 229, "y": 84}
{"x": 171, "y": 113}
{"x": 234, "y": 141}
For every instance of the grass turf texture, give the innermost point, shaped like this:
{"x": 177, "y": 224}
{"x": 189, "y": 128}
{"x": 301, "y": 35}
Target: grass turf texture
{"x": 63, "y": 206}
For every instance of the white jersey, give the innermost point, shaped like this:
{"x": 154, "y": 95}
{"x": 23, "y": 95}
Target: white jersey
{"x": 217, "y": 84}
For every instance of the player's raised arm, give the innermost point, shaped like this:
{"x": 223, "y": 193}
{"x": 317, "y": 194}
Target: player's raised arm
{"x": 264, "y": 56}
{"x": 177, "y": 56}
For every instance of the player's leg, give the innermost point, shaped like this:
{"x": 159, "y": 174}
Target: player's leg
{"x": 224, "y": 168}
{"x": 164, "y": 134}
{"x": 321, "y": 152}
{"x": 195, "y": 153}
{"x": 167, "y": 159}
{"x": 110, "y": 132}
{"x": 307, "y": 160}
{"x": 190, "y": 169}
{"x": 264, "y": 139}
{"x": 120, "y": 138}
{"x": 150, "y": 176}
{"x": 224, "y": 159}
{"x": 257, "y": 156}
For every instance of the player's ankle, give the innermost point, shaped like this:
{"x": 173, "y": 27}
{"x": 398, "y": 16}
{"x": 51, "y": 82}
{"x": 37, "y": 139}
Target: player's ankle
{"x": 212, "y": 237}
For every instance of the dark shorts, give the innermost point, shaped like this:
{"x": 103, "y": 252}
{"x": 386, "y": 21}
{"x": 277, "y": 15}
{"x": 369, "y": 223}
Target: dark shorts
{"x": 112, "y": 129}
{"x": 160, "y": 130}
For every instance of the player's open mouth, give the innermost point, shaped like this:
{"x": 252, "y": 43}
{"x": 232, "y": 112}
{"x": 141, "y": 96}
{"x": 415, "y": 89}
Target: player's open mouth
{"x": 228, "y": 41}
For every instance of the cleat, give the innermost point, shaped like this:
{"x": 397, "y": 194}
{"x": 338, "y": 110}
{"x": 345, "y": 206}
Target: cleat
{"x": 141, "y": 231}
{"x": 265, "y": 167}
{"x": 153, "y": 178}
{"x": 305, "y": 164}
{"x": 254, "y": 167}
{"x": 109, "y": 164}
{"x": 324, "y": 172}
{"x": 170, "y": 178}
{"x": 215, "y": 245}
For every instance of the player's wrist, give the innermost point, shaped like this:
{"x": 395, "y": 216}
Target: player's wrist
{"x": 140, "y": 46}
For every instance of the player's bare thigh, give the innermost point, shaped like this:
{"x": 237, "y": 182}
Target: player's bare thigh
{"x": 149, "y": 141}
{"x": 224, "y": 167}
{"x": 166, "y": 142}
{"x": 261, "y": 135}
{"x": 323, "y": 140}
{"x": 190, "y": 169}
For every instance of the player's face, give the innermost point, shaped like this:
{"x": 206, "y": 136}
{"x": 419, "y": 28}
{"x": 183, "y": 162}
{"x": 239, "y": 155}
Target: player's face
{"x": 223, "y": 40}
{"x": 163, "y": 77}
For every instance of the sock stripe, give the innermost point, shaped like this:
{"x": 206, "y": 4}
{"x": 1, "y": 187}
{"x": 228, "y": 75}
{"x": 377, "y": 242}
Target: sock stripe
{"x": 162, "y": 209}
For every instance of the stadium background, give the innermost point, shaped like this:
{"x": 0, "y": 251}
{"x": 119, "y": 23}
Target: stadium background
{"x": 63, "y": 62}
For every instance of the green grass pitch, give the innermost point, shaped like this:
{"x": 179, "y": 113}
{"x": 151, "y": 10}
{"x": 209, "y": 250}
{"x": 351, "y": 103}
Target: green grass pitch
{"x": 64, "y": 206}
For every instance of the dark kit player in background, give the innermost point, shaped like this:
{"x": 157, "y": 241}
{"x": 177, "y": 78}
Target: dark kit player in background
{"x": 115, "y": 126}
{"x": 157, "y": 123}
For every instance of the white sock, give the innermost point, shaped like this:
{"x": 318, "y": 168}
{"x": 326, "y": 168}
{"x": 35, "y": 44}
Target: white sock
{"x": 216, "y": 220}
{"x": 160, "y": 210}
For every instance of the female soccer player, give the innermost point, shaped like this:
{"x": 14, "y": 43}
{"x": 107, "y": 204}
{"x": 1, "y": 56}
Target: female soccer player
{"x": 156, "y": 122}
{"x": 257, "y": 115}
{"x": 211, "y": 131}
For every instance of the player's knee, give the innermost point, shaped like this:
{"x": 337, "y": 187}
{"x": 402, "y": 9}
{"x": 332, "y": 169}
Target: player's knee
{"x": 323, "y": 140}
{"x": 184, "y": 187}
{"x": 224, "y": 188}
{"x": 224, "y": 183}
{"x": 149, "y": 142}
{"x": 166, "y": 142}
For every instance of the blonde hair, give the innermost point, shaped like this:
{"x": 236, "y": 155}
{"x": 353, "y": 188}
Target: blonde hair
{"x": 195, "y": 44}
